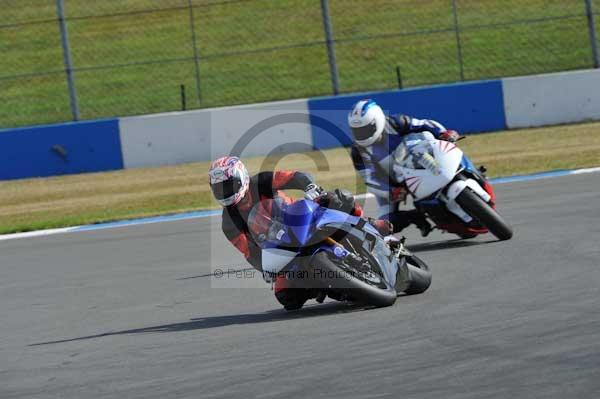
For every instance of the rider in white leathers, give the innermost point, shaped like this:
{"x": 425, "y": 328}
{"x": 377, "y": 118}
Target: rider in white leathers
{"x": 376, "y": 137}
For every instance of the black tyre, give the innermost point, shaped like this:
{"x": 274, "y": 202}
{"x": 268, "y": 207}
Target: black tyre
{"x": 333, "y": 274}
{"x": 484, "y": 214}
{"x": 419, "y": 276}
{"x": 467, "y": 236}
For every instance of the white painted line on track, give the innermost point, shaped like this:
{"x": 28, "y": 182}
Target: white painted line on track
{"x": 37, "y": 233}
{"x": 582, "y": 171}
{"x": 210, "y": 213}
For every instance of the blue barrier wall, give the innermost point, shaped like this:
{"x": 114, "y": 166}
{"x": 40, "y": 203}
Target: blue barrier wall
{"x": 154, "y": 140}
{"x": 60, "y": 149}
{"x": 466, "y": 107}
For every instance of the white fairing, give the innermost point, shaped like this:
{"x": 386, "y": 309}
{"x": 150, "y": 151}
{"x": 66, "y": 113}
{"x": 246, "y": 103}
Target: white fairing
{"x": 454, "y": 191}
{"x": 457, "y": 187}
{"x": 427, "y": 165}
{"x": 440, "y": 170}
{"x": 275, "y": 259}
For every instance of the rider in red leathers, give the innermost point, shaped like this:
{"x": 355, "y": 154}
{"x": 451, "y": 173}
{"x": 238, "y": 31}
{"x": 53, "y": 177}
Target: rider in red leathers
{"x": 238, "y": 193}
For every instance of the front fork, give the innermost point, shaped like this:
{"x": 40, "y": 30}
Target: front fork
{"x": 455, "y": 189}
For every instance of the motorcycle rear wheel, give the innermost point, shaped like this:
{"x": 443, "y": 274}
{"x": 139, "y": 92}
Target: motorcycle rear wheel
{"x": 419, "y": 276}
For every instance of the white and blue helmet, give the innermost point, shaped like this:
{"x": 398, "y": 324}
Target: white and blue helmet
{"x": 367, "y": 122}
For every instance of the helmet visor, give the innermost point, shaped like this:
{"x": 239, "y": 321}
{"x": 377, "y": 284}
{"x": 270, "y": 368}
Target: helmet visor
{"x": 364, "y": 132}
{"x": 226, "y": 189}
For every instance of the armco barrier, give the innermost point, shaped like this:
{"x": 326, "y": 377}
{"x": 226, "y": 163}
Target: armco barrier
{"x": 552, "y": 99}
{"x": 60, "y": 149}
{"x": 202, "y": 135}
{"x": 468, "y": 107}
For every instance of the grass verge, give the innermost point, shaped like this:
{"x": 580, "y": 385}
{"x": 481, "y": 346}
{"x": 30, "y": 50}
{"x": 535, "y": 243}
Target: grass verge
{"x": 130, "y": 57}
{"x": 33, "y": 204}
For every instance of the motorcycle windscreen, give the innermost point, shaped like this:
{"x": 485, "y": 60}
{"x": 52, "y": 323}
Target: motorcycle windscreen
{"x": 265, "y": 223}
{"x": 299, "y": 217}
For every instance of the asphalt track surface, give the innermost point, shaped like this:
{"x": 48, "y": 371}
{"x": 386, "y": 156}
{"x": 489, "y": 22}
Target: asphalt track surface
{"x": 133, "y": 312}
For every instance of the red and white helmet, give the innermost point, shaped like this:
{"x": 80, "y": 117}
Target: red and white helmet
{"x": 229, "y": 180}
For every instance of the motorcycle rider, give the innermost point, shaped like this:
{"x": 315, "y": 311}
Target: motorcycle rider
{"x": 238, "y": 193}
{"x": 376, "y": 137}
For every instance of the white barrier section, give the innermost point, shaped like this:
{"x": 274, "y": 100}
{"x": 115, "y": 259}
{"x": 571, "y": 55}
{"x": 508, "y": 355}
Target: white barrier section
{"x": 552, "y": 99}
{"x": 202, "y": 135}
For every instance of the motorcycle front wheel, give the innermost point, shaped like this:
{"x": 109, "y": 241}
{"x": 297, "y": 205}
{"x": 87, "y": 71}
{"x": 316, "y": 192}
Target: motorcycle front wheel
{"x": 337, "y": 274}
{"x": 484, "y": 214}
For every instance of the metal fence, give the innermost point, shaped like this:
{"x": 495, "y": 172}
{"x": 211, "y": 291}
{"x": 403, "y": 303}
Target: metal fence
{"x": 76, "y": 59}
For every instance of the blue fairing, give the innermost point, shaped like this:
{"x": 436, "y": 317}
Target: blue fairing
{"x": 303, "y": 217}
{"x": 466, "y": 163}
{"x": 330, "y": 216}
{"x": 298, "y": 222}
{"x": 299, "y": 216}
{"x": 429, "y": 202}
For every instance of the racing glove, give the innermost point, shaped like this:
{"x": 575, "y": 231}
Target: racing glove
{"x": 398, "y": 194}
{"x": 384, "y": 227}
{"x": 312, "y": 191}
{"x": 340, "y": 200}
{"x": 449, "y": 135}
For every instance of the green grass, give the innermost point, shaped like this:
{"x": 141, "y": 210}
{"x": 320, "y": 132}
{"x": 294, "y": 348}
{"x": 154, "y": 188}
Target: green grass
{"x": 33, "y": 204}
{"x": 236, "y": 65}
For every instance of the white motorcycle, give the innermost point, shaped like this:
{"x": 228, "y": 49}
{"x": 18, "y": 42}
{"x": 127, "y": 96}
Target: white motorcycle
{"x": 447, "y": 187}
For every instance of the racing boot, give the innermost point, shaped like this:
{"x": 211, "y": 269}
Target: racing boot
{"x": 290, "y": 298}
{"x": 422, "y": 224}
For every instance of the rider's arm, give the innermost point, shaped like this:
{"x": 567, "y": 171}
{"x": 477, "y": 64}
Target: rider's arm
{"x": 376, "y": 184}
{"x": 405, "y": 124}
{"x": 242, "y": 242}
{"x": 285, "y": 180}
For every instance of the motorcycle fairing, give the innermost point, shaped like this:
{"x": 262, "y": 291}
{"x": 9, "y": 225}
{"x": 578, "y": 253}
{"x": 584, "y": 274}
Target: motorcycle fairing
{"x": 337, "y": 220}
{"x": 467, "y": 165}
{"x": 426, "y": 181}
{"x": 300, "y": 222}
{"x": 304, "y": 216}
{"x": 275, "y": 259}
{"x": 300, "y": 216}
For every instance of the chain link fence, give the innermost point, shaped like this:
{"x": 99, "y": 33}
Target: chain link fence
{"x": 75, "y": 59}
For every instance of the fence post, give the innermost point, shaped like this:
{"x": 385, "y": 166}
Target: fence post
{"x": 592, "y": 32}
{"x": 399, "y": 77}
{"x": 183, "y": 99}
{"x": 64, "y": 38}
{"x": 330, "y": 46}
{"x": 458, "y": 44}
{"x": 195, "y": 46}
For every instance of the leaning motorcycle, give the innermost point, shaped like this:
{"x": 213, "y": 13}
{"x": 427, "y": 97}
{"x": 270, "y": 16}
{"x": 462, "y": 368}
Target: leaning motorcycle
{"x": 334, "y": 254}
{"x": 446, "y": 186}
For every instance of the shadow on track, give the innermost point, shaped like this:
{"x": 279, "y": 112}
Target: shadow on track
{"x": 439, "y": 245}
{"x": 229, "y": 271}
{"x": 204, "y": 323}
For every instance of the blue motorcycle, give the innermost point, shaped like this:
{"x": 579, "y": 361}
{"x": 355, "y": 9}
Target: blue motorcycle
{"x": 334, "y": 254}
